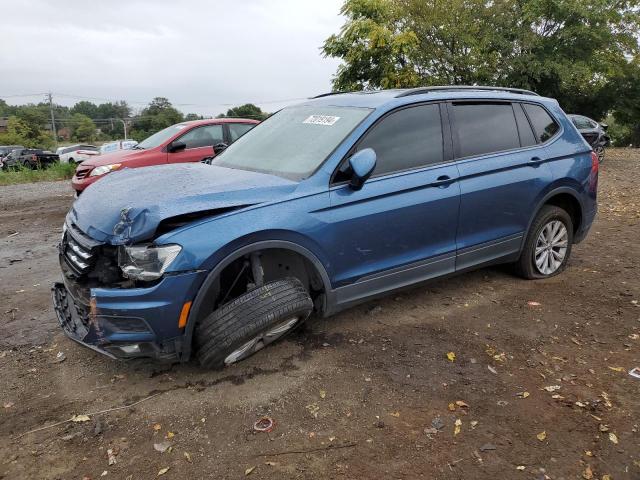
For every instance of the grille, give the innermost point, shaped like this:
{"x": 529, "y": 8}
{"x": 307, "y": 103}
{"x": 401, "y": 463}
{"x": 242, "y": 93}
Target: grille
{"x": 79, "y": 251}
{"x": 82, "y": 172}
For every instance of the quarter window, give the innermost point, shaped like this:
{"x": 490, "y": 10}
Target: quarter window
{"x": 206, "y": 136}
{"x": 485, "y": 128}
{"x": 527, "y": 137}
{"x": 408, "y": 138}
{"x": 544, "y": 126}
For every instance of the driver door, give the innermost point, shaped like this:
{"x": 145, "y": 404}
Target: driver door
{"x": 199, "y": 143}
{"x": 400, "y": 228}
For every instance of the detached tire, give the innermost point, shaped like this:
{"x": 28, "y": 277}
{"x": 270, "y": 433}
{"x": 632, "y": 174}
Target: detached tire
{"x": 548, "y": 246}
{"x": 250, "y": 322}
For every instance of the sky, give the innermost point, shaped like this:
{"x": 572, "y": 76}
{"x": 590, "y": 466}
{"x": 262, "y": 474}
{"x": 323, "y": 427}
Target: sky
{"x": 205, "y": 56}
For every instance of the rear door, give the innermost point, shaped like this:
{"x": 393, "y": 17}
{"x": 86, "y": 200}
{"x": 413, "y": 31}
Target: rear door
{"x": 400, "y": 227}
{"x": 503, "y": 171}
{"x": 199, "y": 141}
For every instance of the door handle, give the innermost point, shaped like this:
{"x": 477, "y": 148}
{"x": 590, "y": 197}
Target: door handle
{"x": 442, "y": 181}
{"x": 536, "y": 159}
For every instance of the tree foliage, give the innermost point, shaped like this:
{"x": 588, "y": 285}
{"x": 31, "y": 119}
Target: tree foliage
{"x": 157, "y": 115}
{"x": 83, "y": 128}
{"x": 248, "y": 110}
{"x": 582, "y": 52}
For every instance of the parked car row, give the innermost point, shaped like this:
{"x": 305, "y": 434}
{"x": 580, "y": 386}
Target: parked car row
{"x": 31, "y": 158}
{"x": 322, "y": 206}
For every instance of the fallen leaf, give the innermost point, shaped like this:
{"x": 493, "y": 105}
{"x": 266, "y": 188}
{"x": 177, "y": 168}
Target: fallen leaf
{"x": 395, "y": 414}
{"x": 80, "y": 418}
{"x": 162, "y": 447}
{"x": 588, "y": 453}
{"x": 323, "y": 393}
{"x": 157, "y": 426}
{"x": 542, "y": 436}
{"x": 533, "y": 304}
{"x": 8, "y": 404}
{"x": 249, "y": 470}
{"x": 606, "y": 477}
{"x": 616, "y": 369}
{"x": 552, "y": 388}
{"x": 613, "y": 437}
{"x": 603, "y": 428}
{"x": 451, "y": 356}
{"x": 605, "y": 397}
{"x": 461, "y": 404}
{"x": 492, "y": 370}
{"x": 580, "y": 404}
{"x": 520, "y": 467}
{"x": 557, "y": 397}
{"x": 111, "y": 456}
{"x": 170, "y": 435}
{"x": 313, "y": 409}
{"x": 452, "y": 407}
{"x": 587, "y": 474}
{"x": 187, "y": 457}
{"x": 162, "y": 471}
{"x": 474, "y": 424}
{"x": 271, "y": 464}
{"x": 522, "y": 394}
{"x": 458, "y": 424}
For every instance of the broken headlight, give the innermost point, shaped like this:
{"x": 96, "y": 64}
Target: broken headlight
{"x": 146, "y": 262}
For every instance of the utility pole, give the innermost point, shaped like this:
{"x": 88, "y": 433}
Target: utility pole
{"x": 53, "y": 122}
{"x": 124, "y": 124}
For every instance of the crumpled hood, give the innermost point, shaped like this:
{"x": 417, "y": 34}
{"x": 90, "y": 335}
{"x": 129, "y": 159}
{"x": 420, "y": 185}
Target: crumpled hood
{"x": 126, "y": 206}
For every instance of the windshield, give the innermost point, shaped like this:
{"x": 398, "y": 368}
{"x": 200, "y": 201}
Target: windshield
{"x": 160, "y": 137}
{"x": 294, "y": 142}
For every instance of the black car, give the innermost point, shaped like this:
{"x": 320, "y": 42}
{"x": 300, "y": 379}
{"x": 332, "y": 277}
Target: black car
{"x": 593, "y": 132}
{"x": 32, "y": 158}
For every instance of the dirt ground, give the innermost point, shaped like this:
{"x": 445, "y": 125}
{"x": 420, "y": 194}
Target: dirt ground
{"x": 542, "y": 388}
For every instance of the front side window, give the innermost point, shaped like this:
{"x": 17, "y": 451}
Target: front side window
{"x": 544, "y": 126}
{"x": 206, "y": 136}
{"x": 408, "y": 138}
{"x": 160, "y": 137}
{"x": 485, "y": 128}
{"x": 236, "y": 130}
{"x": 294, "y": 142}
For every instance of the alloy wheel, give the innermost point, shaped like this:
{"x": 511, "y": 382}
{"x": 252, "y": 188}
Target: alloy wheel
{"x": 262, "y": 340}
{"x": 551, "y": 247}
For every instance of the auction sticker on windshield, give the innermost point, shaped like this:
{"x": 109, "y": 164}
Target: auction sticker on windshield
{"x": 327, "y": 120}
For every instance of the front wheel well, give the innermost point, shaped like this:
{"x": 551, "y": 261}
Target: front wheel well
{"x": 253, "y": 269}
{"x": 569, "y": 204}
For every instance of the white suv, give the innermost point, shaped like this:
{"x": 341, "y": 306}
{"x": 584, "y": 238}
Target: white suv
{"x": 77, "y": 153}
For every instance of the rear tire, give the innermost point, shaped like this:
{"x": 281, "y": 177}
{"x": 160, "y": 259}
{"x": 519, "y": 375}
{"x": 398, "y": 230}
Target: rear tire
{"x": 250, "y": 322}
{"x": 548, "y": 246}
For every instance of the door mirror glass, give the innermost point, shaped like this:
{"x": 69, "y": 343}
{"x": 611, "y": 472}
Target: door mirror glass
{"x": 362, "y": 164}
{"x": 176, "y": 146}
{"x": 219, "y": 147}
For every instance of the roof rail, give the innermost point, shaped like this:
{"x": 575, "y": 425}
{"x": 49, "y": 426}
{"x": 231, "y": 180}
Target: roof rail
{"x": 328, "y": 94}
{"x": 421, "y": 90}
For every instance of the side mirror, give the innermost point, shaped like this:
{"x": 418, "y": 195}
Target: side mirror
{"x": 604, "y": 126}
{"x": 362, "y": 164}
{"x": 219, "y": 147}
{"x": 176, "y": 146}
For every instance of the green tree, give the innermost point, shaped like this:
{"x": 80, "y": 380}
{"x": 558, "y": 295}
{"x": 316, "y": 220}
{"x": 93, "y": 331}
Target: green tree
{"x": 248, "y": 110}
{"x": 157, "y": 115}
{"x": 83, "y": 128}
{"x": 86, "y": 108}
{"x": 578, "y": 51}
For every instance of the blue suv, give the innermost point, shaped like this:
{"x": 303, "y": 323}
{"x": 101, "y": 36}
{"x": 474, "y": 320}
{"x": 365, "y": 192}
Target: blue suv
{"x": 324, "y": 205}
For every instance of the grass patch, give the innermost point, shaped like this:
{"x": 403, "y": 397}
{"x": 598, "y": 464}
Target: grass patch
{"x": 57, "y": 171}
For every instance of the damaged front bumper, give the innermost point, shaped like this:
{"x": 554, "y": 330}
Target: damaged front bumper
{"x": 128, "y": 323}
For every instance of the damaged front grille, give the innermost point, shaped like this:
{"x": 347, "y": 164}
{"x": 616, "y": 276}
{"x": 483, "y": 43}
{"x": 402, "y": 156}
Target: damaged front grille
{"x": 79, "y": 250}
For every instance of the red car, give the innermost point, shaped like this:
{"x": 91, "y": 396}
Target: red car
{"x": 183, "y": 142}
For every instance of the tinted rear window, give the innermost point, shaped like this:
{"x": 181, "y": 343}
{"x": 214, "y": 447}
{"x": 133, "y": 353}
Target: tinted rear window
{"x": 544, "y": 126}
{"x": 485, "y": 128}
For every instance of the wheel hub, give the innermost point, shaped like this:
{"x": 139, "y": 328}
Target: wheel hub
{"x": 260, "y": 341}
{"x": 551, "y": 247}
